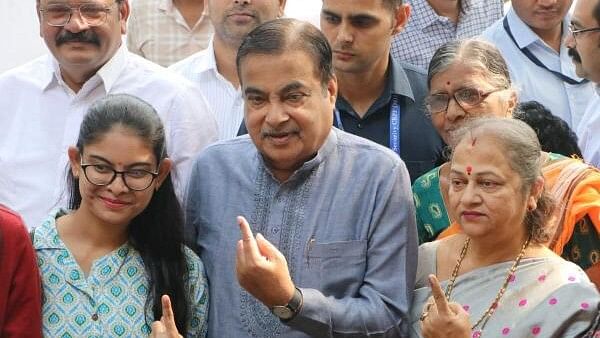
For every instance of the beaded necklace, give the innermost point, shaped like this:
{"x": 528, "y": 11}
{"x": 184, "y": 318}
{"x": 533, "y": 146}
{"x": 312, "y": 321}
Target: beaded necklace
{"x": 490, "y": 310}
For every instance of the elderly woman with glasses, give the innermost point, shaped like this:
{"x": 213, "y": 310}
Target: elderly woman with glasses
{"x": 497, "y": 277}
{"x": 115, "y": 260}
{"x": 468, "y": 80}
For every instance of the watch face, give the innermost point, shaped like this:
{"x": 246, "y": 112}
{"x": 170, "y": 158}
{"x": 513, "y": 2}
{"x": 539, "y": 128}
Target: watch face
{"x": 283, "y": 312}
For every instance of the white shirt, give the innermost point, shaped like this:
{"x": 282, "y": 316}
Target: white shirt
{"x": 589, "y": 131}
{"x": 224, "y": 99}
{"x": 426, "y": 31}
{"x": 535, "y": 83}
{"x": 157, "y": 31}
{"x": 41, "y": 116}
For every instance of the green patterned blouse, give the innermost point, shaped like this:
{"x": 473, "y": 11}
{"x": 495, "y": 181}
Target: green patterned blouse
{"x": 110, "y": 301}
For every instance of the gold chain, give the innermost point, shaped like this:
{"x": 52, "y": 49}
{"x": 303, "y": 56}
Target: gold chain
{"x": 490, "y": 310}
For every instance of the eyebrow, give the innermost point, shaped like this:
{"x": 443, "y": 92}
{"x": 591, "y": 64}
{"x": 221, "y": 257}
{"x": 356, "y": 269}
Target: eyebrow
{"x": 100, "y": 158}
{"x": 328, "y": 12}
{"x": 253, "y": 90}
{"x": 294, "y": 85}
{"x": 483, "y": 173}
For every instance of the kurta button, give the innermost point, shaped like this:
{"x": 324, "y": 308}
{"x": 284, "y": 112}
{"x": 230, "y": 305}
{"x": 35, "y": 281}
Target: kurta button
{"x": 359, "y": 125}
{"x": 95, "y": 317}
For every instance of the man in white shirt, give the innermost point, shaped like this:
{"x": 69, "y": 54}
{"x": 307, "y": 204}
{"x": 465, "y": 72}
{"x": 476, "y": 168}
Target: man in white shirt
{"x": 584, "y": 48}
{"x": 214, "y": 70}
{"x": 43, "y": 102}
{"x": 167, "y": 31}
{"x": 530, "y": 37}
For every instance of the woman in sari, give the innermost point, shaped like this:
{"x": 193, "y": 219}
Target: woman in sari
{"x": 497, "y": 276}
{"x": 467, "y": 80}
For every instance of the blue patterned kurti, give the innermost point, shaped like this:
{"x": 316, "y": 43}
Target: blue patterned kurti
{"x": 110, "y": 301}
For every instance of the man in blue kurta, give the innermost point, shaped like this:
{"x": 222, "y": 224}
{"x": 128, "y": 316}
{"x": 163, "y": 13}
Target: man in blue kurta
{"x": 335, "y": 248}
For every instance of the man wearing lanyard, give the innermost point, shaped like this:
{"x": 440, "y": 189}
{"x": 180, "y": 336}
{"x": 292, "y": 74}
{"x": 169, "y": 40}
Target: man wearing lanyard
{"x": 379, "y": 98}
{"x": 531, "y": 39}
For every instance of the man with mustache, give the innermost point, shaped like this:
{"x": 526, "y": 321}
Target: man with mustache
{"x": 380, "y": 98}
{"x": 43, "y": 101}
{"x": 335, "y": 248}
{"x": 213, "y": 69}
{"x": 531, "y": 39}
{"x": 583, "y": 42}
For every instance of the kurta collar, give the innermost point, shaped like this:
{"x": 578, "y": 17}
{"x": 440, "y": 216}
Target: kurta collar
{"x": 324, "y": 152}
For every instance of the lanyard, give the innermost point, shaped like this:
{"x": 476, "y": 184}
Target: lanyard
{"x": 537, "y": 61}
{"x": 394, "y": 124}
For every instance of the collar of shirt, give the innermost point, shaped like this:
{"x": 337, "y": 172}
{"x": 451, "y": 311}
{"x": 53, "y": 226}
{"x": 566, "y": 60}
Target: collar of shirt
{"x": 424, "y": 15}
{"x": 597, "y": 88}
{"x": 397, "y": 84}
{"x": 523, "y": 34}
{"x": 322, "y": 154}
{"x": 166, "y": 6}
{"x": 108, "y": 74}
{"x": 205, "y": 60}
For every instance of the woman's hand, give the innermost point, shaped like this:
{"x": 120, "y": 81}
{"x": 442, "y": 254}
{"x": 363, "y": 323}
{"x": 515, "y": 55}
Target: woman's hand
{"x": 165, "y": 327}
{"x": 441, "y": 319}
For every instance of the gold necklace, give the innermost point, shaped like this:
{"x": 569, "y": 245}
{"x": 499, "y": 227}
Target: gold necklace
{"x": 492, "y": 308}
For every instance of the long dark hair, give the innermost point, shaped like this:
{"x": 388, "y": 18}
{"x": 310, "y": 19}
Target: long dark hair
{"x": 157, "y": 232}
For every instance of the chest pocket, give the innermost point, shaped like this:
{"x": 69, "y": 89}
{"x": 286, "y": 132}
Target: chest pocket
{"x": 341, "y": 266}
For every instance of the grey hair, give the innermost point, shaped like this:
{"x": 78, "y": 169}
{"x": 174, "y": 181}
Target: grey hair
{"x": 523, "y": 154}
{"x": 474, "y": 52}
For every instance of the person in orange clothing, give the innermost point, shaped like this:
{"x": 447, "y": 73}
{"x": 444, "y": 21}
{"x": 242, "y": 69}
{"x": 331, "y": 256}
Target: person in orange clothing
{"x": 20, "y": 288}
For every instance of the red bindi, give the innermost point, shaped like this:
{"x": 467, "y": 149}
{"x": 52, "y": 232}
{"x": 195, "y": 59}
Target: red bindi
{"x": 469, "y": 170}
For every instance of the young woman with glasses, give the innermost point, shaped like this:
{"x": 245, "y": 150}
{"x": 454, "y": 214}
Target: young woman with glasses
{"x": 108, "y": 260}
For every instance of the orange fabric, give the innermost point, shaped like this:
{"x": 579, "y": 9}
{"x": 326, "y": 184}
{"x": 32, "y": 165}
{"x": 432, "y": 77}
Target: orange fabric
{"x": 583, "y": 199}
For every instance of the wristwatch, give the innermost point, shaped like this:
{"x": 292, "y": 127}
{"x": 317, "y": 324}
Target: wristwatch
{"x": 291, "y": 309}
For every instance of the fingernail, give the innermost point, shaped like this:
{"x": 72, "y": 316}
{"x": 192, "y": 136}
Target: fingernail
{"x": 259, "y": 236}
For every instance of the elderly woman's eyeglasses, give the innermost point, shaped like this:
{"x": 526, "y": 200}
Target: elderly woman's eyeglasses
{"x": 575, "y": 32}
{"x": 59, "y": 15}
{"x": 103, "y": 175}
{"x": 467, "y": 98}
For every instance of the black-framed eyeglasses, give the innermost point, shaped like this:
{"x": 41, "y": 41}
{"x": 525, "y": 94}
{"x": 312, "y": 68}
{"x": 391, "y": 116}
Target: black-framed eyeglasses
{"x": 58, "y": 15}
{"x": 467, "y": 98}
{"x": 103, "y": 175}
{"x": 576, "y": 32}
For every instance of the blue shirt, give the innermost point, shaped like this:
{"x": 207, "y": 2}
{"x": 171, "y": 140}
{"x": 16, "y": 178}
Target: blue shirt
{"x": 534, "y": 83}
{"x": 344, "y": 221}
{"x": 426, "y": 31}
{"x": 110, "y": 301}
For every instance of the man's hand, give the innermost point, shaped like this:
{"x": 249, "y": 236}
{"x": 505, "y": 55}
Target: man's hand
{"x": 443, "y": 319}
{"x": 261, "y": 269}
{"x": 165, "y": 328}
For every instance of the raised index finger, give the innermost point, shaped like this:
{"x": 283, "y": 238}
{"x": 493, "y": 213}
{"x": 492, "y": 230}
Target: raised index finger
{"x": 441, "y": 303}
{"x": 245, "y": 229}
{"x": 168, "y": 318}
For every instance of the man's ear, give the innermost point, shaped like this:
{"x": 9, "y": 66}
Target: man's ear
{"x": 281, "y": 8}
{"x": 74, "y": 161}
{"x": 401, "y": 15}
{"x": 123, "y": 15}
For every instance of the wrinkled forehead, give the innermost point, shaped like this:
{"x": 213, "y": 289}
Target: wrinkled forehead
{"x": 76, "y": 2}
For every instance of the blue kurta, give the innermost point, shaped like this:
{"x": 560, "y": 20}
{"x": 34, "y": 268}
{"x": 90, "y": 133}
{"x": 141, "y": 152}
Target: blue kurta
{"x": 344, "y": 221}
{"x": 110, "y": 301}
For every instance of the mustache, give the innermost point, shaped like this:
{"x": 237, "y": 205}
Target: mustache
{"x": 241, "y": 9}
{"x": 87, "y": 36}
{"x": 572, "y": 52}
{"x": 276, "y": 133}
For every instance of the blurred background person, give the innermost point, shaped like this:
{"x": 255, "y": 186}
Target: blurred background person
{"x": 167, "y": 31}
{"x": 20, "y": 292}
{"x": 554, "y": 133}
{"x": 435, "y": 22}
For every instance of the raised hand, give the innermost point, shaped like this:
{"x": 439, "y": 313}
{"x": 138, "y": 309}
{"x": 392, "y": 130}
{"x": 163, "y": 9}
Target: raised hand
{"x": 165, "y": 327}
{"x": 441, "y": 319}
{"x": 262, "y": 269}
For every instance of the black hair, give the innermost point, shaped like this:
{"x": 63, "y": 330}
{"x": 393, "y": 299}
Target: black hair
{"x": 280, "y": 35}
{"x": 554, "y": 134}
{"x": 157, "y": 232}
